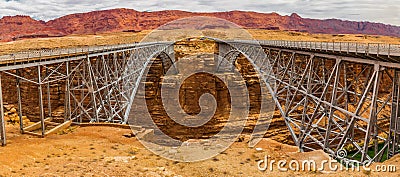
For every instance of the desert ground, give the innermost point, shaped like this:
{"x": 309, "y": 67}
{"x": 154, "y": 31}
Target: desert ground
{"x": 104, "y": 151}
{"x": 110, "y": 151}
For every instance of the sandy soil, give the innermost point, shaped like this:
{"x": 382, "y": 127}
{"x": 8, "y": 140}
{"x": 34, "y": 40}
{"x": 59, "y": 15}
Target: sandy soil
{"x": 104, "y": 151}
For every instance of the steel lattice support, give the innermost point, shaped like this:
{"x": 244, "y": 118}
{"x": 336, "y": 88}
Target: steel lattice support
{"x": 394, "y": 136}
{"x": 102, "y": 88}
{"x": 96, "y": 87}
{"x": 330, "y": 99}
{"x": 40, "y": 77}
{"x": 331, "y": 102}
{"x": 334, "y": 104}
{"x": 2, "y": 121}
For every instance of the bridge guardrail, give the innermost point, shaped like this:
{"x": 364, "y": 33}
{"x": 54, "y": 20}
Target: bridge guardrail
{"x": 342, "y": 47}
{"x": 26, "y": 55}
{"x": 34, "y": 54}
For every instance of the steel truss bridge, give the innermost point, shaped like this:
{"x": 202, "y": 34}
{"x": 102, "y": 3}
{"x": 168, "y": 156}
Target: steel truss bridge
{"x": 331, "y": 95}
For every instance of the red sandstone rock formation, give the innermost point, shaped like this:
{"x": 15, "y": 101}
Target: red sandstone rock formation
{"x": 20, "y": 27}
{"x": 12, "y": 28}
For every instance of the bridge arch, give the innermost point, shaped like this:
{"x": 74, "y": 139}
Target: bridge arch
{"x": 339, "y": 81}
{"x": 256, "y": 57}
{"x": 231, "y": 55}
{"x": 139, "y": 62}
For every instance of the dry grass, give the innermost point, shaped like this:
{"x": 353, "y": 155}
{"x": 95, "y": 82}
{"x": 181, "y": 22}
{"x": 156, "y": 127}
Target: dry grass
{"x": 120, "y": 38}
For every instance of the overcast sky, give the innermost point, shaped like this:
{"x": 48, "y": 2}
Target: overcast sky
{"x": 384, "y": 11}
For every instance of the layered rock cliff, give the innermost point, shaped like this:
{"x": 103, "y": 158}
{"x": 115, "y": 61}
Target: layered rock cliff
{"x": 117, "y": 20}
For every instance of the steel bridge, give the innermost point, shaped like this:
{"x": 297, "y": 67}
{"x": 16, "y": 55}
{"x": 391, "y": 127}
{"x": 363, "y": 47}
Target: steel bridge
{"x": 332, "y": 96}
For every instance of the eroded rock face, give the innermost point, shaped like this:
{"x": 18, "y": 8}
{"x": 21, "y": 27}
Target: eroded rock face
{"x": 118, "y": 20}
{"x": 198, "y": 84}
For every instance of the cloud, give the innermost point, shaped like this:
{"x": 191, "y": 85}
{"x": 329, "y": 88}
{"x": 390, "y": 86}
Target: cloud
{"x": 384, "y": 11}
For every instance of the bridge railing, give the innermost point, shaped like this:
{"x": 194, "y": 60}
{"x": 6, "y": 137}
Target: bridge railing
{"x": 43, "y": 53}
{"x": 342, "y": 47}
{"x": 30, "y": 54}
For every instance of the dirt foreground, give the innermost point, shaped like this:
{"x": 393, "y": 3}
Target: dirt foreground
{"x": 104, "y": 151}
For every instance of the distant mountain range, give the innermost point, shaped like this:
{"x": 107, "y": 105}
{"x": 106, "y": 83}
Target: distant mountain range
{"x": 117, "y": 20}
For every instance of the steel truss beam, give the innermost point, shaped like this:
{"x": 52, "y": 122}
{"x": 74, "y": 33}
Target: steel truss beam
{"x": 97, "y": 87}
{"x": 333, "y": 103}
{"x": 102, "y": 89}
{"x": 328, "y": 102}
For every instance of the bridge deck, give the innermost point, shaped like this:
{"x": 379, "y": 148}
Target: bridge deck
{"x": 317, "y": 83}
{"x": 35, "y": 57}
{"x": 375, "y": 51}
